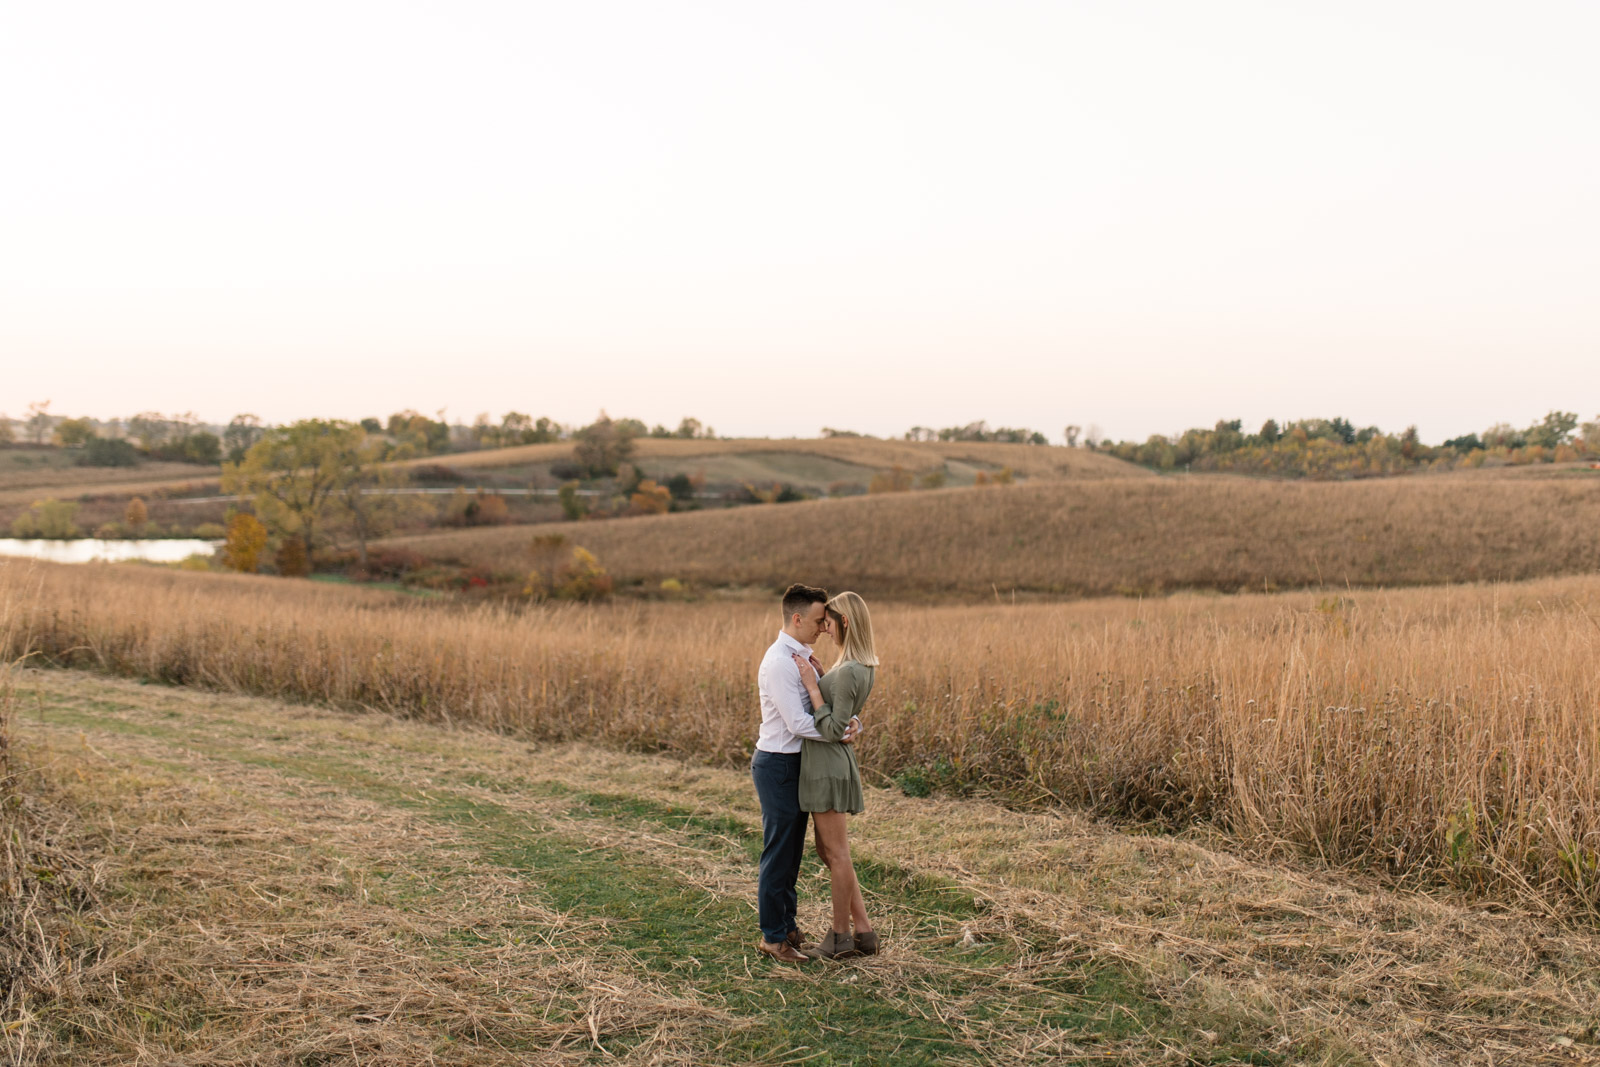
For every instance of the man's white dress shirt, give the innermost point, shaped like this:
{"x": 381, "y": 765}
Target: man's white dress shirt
{"x": 785, "y": 704}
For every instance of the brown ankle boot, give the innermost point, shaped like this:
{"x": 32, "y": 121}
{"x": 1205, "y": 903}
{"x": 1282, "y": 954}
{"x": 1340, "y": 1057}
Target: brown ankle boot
{"x": 867, "y": 942}
{"x": 837, "y": 947}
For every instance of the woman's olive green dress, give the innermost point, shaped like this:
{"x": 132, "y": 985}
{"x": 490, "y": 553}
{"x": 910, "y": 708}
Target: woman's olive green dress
{"x": 829, "y": 777}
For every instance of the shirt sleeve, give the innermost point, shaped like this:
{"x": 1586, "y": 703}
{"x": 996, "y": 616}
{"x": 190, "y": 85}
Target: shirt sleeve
{"x": 788, "y": 696}
{"x": 833, "y": 718}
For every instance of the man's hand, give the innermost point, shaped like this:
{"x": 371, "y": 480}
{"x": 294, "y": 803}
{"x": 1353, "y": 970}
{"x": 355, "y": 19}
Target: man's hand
{"x": 851, "y": 731}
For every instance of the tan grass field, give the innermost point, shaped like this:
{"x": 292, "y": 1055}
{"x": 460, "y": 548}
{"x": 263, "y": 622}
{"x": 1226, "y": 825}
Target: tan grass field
{"x": 1096, "y": 537}
{"x": 74, "y": 482}
{"x": 1439, "y": 736}
{"x": 243, "y": 881}
{"x": 761, "y": 460}
{"x": 1029, "y": 461}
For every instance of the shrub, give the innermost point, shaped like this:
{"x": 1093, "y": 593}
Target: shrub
{"x": 195, "y": 561}
{"x": 109, "y": 452}
{"x": 390, "y": 562}
{"x": 932, "y": 480}
{"x": 547, "y": 551}
{"x": 572, "y": 505}
{"x": 136, "y": 514}
{"x": 47, "y": 518}
{"x": 246, "y": 539}
{"x": 583, "y": 578}
{"x": 491, "y": 510}
{"x": 437, "y": 472}
{"x": 681, "y": 486}
{"x": 108, "y": 531}
{"x": 1003, "y": 476}
{"x": 210, "y": 531}
{"x": 894, "y": 480}
{"x": 291, "y": 558}
{"x": 650, "y": 499}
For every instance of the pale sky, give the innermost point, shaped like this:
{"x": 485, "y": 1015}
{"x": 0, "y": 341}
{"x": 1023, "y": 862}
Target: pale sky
{"x": 781, "y": 216}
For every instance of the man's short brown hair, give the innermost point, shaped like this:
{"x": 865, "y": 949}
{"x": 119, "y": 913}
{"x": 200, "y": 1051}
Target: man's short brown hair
{"x": 798, "y": 598}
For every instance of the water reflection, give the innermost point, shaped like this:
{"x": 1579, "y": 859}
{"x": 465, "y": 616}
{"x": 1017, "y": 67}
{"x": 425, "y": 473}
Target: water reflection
{"x": 88, "y": 548}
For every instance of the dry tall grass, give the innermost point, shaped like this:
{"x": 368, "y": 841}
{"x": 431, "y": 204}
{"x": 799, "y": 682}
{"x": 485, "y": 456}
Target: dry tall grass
{"x": 1449, "y": 733}
{"x": 1099, "y": 537}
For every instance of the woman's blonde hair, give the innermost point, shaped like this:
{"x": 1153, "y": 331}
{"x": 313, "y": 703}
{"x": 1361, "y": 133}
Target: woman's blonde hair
{"x": 857, "y": 643}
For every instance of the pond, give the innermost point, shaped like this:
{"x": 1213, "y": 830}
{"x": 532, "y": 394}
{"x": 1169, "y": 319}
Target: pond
{"x": 88, "y": 548}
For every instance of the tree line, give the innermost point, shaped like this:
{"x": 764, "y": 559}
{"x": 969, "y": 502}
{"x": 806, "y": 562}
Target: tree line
{"x": 1336, "y": 448}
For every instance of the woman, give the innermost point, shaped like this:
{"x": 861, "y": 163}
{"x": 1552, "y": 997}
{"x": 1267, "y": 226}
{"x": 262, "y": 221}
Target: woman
{"x": 830, "y": 781}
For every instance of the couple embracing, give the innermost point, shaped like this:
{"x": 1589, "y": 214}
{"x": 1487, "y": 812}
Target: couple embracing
{"x": 805, "y": 768}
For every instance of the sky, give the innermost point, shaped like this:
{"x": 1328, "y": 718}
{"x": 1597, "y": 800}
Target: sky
{"x": 1135, "y": 215}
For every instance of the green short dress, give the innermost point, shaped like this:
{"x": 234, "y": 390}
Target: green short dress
{"x": 829, "y": 777}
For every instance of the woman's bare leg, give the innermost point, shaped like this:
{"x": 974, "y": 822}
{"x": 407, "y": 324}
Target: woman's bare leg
{"x": 833, "y": 845}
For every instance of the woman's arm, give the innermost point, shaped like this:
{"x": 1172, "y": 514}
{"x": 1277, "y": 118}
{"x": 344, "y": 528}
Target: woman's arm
{"x": 833, "y": 720}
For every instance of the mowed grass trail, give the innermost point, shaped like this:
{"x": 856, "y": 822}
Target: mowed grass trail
{"x": 270, "y": 883}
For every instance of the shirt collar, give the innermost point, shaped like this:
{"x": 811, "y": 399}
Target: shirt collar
{"x": 790, "y": 642}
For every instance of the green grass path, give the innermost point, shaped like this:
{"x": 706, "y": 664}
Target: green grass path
{"x": 662, "y": 892}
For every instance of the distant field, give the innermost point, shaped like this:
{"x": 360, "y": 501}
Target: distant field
{"x": 816, "y": 462}
{"x": 814, "y": 466}
{"x": 25, "y": 470}
{"x": 1092, "y": 537}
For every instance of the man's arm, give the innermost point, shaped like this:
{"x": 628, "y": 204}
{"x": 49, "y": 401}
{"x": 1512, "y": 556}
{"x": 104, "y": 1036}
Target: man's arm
{"x": 782, "y": 683}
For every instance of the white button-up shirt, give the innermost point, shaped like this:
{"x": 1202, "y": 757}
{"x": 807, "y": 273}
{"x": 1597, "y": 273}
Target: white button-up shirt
{"x": 785, "y": 704}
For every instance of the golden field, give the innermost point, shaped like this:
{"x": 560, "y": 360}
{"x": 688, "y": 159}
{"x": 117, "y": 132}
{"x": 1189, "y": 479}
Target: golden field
{"x": 1443, "y": 734}
{"x": 1102, "y": 536}
{"x": 1029, "y": 461}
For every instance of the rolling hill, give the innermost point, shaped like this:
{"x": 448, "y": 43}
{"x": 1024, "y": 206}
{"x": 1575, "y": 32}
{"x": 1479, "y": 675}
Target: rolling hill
{"x": 1087, "y": 537}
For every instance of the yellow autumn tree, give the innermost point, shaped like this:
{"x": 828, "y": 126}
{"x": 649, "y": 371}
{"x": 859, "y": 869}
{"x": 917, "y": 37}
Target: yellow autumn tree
{"x": 247, "y": 539}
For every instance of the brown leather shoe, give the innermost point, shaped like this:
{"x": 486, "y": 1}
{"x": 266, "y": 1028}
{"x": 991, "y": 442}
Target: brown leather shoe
{"x": 837, "y": 947}
{"x": 801, "y": 942}
{"x": 867, "y": 942}
{"x": 783, "y": 952}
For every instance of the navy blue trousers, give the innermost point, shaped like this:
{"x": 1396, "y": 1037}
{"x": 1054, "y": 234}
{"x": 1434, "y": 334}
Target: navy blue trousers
{"x": 783, "y": 840}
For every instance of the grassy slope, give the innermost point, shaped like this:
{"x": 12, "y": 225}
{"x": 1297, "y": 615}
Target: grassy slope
{"x": 28, "y": 475}
{"x": 871, "y": 454}
{"x": 278, "y": 883}
{"x": 1102, "y": 536}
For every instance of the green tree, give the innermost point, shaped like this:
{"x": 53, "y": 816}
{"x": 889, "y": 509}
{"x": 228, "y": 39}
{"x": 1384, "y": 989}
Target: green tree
{"x": 39, "y": 421}
{"x": 604, "y": 445}
{"x": 1552, "y": 430}
{"x": 294, "y": 471}
{"x": 151, "y": 429}
{"x": 242, "y": 432}
{"x": 572, "y": 505}
{"x": 426, "y": 436}
{"x": 73, "y": 433}
{"x": 368, "y": 501}
{"x": 109, "y": 452}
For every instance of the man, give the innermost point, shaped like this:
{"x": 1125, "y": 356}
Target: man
{"x": 786, "y": 719}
